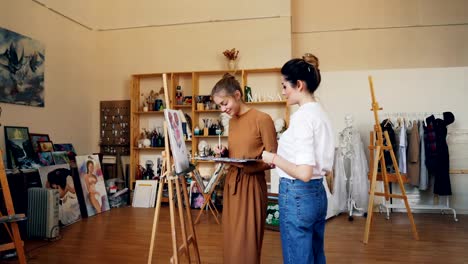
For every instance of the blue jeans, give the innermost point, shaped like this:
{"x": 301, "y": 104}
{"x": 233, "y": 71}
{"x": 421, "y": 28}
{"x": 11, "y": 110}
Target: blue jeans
{"x": 303, "y": 209}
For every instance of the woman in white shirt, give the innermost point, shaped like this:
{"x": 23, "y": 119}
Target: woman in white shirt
{"x": 305, "y": 154}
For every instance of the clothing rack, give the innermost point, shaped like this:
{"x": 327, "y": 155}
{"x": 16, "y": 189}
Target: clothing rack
{"x": 387, "y": 205}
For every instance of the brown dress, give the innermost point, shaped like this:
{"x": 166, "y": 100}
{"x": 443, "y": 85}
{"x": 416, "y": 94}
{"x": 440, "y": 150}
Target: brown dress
{"x": 245, "y": 190}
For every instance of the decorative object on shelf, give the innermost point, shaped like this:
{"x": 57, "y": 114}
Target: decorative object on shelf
{"x": 21, "y": 69}
{"x": 154, "y": 100}
{"x": 248, "y": 94}
{"x": 179, "y": 95}
{"x": 232, "y": 56}
{"x": 203, "y": 148}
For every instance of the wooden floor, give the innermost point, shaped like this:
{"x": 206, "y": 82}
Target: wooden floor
{"x": 123, "y": 236}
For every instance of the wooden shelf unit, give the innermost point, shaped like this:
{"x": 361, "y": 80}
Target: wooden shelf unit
{"x": 194, "y": 84}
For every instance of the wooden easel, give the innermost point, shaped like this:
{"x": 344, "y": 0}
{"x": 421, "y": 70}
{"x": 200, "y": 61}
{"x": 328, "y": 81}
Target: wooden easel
{"x": 208, "y": 202}
{"x": 377, "y": 149}
{"x": 11, "y": 218}
{"x": 168, "y": 177}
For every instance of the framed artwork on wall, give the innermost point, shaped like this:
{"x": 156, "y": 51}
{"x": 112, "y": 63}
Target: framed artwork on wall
{"x": 21, "y": 69}
{"x": 34, "y": 137}
{"x": 20, "y": 153}
{"x": 45, "y": 146}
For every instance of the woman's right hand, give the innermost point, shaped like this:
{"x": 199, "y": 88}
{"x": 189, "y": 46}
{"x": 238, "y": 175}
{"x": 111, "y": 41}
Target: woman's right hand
{"x": 220, "y": 151}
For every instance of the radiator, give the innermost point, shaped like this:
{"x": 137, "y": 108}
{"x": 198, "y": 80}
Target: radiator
{"x": 43, "y": 213}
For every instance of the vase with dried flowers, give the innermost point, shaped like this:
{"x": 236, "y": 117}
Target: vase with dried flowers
{"x": 232, "y": 56}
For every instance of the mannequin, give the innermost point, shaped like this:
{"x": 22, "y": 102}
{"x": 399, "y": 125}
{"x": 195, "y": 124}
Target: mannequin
{"x": 351, "y": 184}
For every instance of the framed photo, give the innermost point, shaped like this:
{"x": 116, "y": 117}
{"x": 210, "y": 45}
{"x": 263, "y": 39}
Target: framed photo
{"x": 37, "y": 138}
{"x": 272, "y": 219}
{"x": 45, "y": 158}
{"x": 20, "y": 153}
{"x": 45, "y": 146}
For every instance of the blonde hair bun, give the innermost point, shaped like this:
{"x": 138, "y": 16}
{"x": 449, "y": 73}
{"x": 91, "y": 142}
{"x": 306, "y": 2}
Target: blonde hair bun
{"x": 311, "y": 59}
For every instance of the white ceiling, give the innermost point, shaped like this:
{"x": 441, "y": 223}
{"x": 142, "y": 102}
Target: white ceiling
{"x": 117, "y": 14}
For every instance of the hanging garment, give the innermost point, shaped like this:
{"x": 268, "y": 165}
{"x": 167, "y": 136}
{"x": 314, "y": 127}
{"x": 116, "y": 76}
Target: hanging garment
{"x": 430, "y": 144}
{"x": 402, "y": 150}
{"x": 350, "y": 165}
{"x": 424, "y": 176}
{"x": 442, "y": 184}
{"x": 388, "y": 126}
{"x": 413, "y": 158}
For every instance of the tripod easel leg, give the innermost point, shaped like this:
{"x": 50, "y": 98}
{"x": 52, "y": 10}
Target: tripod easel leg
{"x": 370, "y": 208}
{"x": 156, "y": 218}
{"x": 403, "y": 193}
{"x": 193, "y": 237}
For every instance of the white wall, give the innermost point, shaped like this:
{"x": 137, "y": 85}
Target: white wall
{"x": 70, "y": 61}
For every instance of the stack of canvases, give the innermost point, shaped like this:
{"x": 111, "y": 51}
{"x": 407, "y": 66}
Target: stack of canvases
{"x": 80, "y": 195}
{"x": 422, "y": 151}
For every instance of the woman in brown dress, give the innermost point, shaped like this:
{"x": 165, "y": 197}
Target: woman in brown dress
{"x": 245, "y": 190}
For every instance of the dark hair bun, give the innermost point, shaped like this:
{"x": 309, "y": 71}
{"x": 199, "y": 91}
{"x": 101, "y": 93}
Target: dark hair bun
{"x": 311, "y": 59}
{"x": 228, "y": 76}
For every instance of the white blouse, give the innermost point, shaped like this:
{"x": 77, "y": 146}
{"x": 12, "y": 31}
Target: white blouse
{"x": 309, "y": 140}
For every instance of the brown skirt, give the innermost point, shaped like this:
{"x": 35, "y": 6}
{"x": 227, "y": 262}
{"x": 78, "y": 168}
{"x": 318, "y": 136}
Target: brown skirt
{"x": 244, "y": 213}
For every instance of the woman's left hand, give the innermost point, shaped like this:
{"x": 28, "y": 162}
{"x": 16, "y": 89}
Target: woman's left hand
{"x": 267, "y": 157}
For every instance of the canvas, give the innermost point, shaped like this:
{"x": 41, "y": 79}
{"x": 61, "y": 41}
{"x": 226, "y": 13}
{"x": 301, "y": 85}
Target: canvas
{"x": 45, "y": 146}
{"x": 92, "y": 183}
{"x": 37, "y": 138}
{"x": 21, "y": 69}
{"x": 59, "y": 177}
{"x": 20, "y": 153}
{"x": 60, "y": 157}
{"x": 68, "y": 147}
{"x": 45, "y": 158}
{"x": 176, "y": 139}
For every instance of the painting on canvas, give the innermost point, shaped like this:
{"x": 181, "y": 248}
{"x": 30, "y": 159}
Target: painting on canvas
{"x": 176, "y": 139}
{"x": 59, "y": 177}
{"x": 21, "y": 69}
{"x": 92, "y": 183}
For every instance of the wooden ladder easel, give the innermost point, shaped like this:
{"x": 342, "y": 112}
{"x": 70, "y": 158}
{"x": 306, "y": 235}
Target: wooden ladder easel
{"x": 377, "y": 149}
{"x": 11, "y": 218}
{"x": 169, "y": 177}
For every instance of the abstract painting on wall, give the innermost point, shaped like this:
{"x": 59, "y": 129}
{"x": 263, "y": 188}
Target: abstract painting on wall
{"x": 21, "y": 69}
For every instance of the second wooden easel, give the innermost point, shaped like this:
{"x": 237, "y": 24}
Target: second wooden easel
{"x": 377, "y": 149}
{"x": 171, "y": 179}
{"x": 10, "y": 220}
